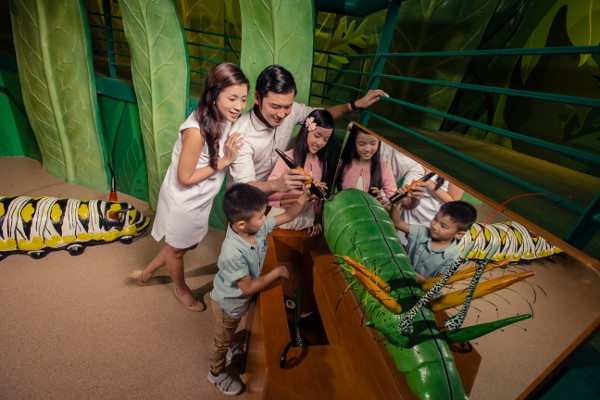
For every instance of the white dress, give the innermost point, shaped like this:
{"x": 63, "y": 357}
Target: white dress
{"x": 182, "y": 212}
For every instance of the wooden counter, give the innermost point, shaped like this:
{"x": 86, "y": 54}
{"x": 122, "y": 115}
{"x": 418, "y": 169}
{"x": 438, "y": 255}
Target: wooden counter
{"x": 346, "y": 359}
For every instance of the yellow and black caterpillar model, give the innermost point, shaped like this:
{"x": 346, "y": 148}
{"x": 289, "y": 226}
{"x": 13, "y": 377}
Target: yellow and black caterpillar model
{"x": 516, "y": 242}
{"x": 36, "y": 225}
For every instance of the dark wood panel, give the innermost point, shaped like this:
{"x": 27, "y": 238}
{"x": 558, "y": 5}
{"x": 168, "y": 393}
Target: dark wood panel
{"x": 352, "y": 364}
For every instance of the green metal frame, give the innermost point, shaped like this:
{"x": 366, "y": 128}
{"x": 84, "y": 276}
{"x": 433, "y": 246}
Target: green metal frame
{"x": 588, "y": 224}
{"x": 109, "y": 41}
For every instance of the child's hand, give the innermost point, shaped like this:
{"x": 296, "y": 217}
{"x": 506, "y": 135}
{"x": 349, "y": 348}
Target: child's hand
{"x": 402, "y": 190}
{"x": 377, "y": 193}
{"x": 418, "y": 191}
{"x": 306, "y": 196}
{"x": 430, "y": 183}
{"x": 315, "y": 230}
{"x": 397, "y": 206}
{"x": 233, "y": 144}
{"x": 282, "y": 272}
{"x": 322, "y": 185}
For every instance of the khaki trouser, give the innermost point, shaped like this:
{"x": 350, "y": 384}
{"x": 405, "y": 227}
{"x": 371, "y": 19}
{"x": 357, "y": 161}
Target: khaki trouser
{"x": 225, "y": 328}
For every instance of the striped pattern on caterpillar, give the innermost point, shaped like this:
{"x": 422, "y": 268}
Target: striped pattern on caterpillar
{"x": 517, "y": 243}
{"x": 37, "y": 225}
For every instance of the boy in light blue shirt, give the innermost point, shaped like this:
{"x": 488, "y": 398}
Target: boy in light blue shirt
{"x": 240, "y": 264}
{"x": 433, "y": 250}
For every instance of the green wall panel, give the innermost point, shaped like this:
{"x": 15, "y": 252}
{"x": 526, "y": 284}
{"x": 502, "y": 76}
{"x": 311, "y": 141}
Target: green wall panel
{"x": 125, "y": 146}
{"x": 54, "y": 58}
{"x": 161, "y": 79}
{"x": 15, "y": 131}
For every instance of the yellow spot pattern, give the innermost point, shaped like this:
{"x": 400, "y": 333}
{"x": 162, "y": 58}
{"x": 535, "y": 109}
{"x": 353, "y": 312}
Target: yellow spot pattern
{"x": 35, "y": 244}
{"x": 56, "y": 213}
{"x": 8, "y": 244}
{"x": 54, "y": 241}
{"x": 110, "y": 236}
{"x": 69, "y": 239}
{"x": 84, "y": 211}
{"x": 27, "y": 212}
{"x": 84, "y": 236}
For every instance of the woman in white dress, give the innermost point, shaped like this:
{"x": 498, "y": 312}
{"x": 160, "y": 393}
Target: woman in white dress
{"x": 200, "y": 157}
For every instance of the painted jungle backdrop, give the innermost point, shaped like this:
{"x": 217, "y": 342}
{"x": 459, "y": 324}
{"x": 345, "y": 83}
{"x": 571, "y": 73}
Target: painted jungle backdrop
{"x": 212, "y": 31}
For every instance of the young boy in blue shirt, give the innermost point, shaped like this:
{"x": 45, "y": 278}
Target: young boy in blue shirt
{"x": 433, "y": 250}
{"x": 240, "y": 263}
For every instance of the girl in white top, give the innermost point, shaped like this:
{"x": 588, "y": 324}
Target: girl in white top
{"x": 202, "y": 152}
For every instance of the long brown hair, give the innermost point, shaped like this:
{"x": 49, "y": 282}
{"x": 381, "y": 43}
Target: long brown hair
{"x": 220, "y": 77}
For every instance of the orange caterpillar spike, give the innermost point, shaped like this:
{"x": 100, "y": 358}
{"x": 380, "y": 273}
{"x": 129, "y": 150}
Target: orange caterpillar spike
{"x": 367, "y": 273}
{"x": 464, "y": 274}
{"x": 385, "y": 299}
{"x": 458, "y": 297}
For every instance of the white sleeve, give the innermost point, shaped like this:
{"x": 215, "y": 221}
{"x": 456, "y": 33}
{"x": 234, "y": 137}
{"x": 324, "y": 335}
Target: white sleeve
{"x": 242, "y": 169}
{"x": 402, "y": 166}
{"x": 415, "y": 171}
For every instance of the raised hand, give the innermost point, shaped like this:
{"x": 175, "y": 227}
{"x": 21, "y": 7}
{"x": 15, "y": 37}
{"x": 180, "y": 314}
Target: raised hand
{"x": 283, "y": 272}
{"x": 233, "y": 144}
{"x": 371, "y": 97}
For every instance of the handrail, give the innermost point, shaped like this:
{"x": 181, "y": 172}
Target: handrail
{"x": 524, "y": 138}
{"x": 588, "y": 220}
{"x": 476, "y": 53}
{"x": 524, "y": 184}
{"x": 212, "y": 33}
{"x": 110, "y": 52}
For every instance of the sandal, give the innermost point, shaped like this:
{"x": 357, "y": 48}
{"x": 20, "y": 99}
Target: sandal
{"x": 138, "y": 275}
{"x": 199, "y": 306}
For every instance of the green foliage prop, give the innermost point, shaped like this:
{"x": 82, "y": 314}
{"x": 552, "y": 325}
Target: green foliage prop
{"x": 160, "y": 71}
{"x": 279, "y": 32}
{"x": 342, "y": 35}
{"x": 58, "y": 88}
{"x": 125, "y": 145}
{"x": 98, "y": 22}
{"x": 428, "y": 26}
{"x": 529, "y": 24}
{"x": 212, "y": 17}
{"x": 16, "y": 133}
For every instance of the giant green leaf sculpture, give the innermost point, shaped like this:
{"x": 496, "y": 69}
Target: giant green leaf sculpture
{"x": 59, "y": 92}
{"x": 160, "y": 71}
{"x": 279, "y": 32}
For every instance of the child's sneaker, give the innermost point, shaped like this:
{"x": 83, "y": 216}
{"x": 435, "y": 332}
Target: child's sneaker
{"x": 226, "y": 383}
{"x": 235, "y": 354}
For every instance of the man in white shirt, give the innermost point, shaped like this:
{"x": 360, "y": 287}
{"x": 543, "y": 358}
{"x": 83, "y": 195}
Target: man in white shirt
{"x": 402, "y": 165}
{"x": 270, "y": 125}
